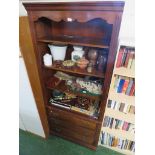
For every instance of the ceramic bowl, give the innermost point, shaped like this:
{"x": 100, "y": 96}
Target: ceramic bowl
{"x": 82, "y": 63}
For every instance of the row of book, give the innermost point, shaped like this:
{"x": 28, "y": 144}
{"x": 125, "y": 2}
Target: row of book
{"x": 124, "y": 85}
{"x": 126, "y": 58}
{"x": 110, "y": 140}
{"x": 122, "y": 107}
{"x": 114, "y": 123}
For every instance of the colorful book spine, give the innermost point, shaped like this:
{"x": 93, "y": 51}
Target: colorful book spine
{"x": 125, "y": 86}
{"x": 127, "y": 59}
{"x": 113, "y": 141}
{"x": 132, "y": 90}
{"x": 120, "y": 54}
{"x": 130, "y": 60}
{"x": 129, "y": 87}
{"x": 120, "y": 86}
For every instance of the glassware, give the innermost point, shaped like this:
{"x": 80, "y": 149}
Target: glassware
{"x": 102, "y": 61}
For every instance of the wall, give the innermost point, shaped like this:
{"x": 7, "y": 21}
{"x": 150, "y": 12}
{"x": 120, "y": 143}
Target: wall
{"x": 29, "y": 117}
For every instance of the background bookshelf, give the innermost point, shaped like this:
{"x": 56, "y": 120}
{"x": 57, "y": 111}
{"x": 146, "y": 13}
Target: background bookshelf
{"x": 115, "y": 111}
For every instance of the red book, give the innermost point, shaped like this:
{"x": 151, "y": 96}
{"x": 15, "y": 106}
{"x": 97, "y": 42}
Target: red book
{"x": 127, "y": 59}
{"x": 132, "y": 90}
{"x": 119, "y": 58}
{"x": 125, "y": 86}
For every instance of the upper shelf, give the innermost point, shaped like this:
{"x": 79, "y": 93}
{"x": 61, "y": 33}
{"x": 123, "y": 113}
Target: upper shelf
{"x": 74, "y": 40}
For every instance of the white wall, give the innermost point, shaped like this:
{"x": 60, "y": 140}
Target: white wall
{"x": 29, "y": 117}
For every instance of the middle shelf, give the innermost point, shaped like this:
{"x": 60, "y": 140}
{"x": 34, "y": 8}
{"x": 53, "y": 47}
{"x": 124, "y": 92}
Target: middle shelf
{"x": 61, "y": 87}
{"x": 76, "y": 70}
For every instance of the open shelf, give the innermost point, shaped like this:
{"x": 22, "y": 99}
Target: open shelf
{"x": 127, "y": 152}
{"x": 119, "y": 133}
{"x": 76, "y": 70}
{"x": 124, "y": 72}
{"x": 121, "y": 97}
{"x": 63, "y": 88}
{"x": 74, "y": 40}
{"x": 119, "y": 115}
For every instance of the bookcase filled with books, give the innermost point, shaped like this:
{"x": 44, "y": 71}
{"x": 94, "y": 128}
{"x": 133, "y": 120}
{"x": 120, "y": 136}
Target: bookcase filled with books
{"x": 118, "y": 127}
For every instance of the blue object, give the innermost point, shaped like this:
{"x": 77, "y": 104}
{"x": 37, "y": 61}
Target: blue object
{"x": 120, "y": 86}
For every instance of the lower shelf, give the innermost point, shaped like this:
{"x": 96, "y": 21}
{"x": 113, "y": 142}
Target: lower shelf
{"x": 120, "y": 133}
{"x": 126, "y": 152}
{"x": 121, "y": 97}
{"x": 119, "y": 115}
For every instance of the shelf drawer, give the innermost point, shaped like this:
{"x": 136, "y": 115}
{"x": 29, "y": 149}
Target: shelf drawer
{"x": 71, "y": 127}
{"x": 71, "y": 119}
{"x": 67, "y": 132}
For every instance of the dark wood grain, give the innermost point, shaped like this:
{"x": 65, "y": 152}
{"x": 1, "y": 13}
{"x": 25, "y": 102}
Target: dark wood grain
{"x": 80, "y": 41}
{"x": 95, "y": 23}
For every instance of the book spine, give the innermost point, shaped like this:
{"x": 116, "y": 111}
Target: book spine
{"x": 130, "y": 60}
{"x": 125, "y": 86}
{"x": 133, "y": 64}
{"x": 132, "y": 90}
{"x": 127, "y": 59}
{"x": 124, "y": 57}
{"x": 129, "y": 87}
{"x": 120, "y": 54}
{"x": 120, "y": 87}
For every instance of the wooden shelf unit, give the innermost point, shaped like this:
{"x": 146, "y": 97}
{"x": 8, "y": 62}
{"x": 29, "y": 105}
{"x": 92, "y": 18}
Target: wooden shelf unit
{"x": 90, "y": 24}
{"x": 122, "y": 98}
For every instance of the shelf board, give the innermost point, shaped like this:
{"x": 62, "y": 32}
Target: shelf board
{"x": 120, "y": 133}
{"x": 119, "y": 115}
{"x": 124, "y": 72}
{"x": 121, "y": 97}
{"x": 63, "y": 88}
{"x": 127, "y": 152}
{"x": 74, "y": 40}
{"x": 76, "y": 70}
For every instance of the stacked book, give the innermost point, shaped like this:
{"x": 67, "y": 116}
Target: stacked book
{"x": 118, "y": 124}
{"x": 126, "y": 57}
{"x": 110, "y": 140}
{"x": 122, "y": 107}
{"x": 124, "y": 85}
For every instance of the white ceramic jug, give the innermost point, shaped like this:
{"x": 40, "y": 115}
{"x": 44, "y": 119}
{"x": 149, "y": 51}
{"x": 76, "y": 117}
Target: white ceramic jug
{"x": 58, "y": 51}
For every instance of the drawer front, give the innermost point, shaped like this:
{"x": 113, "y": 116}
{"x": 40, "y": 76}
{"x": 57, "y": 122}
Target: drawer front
{"x": 72, "y": 127}
{"x": 72, "y": 134}
{"x": 71, "y": 119}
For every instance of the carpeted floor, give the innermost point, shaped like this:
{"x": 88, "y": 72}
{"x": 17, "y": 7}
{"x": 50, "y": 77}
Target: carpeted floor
{"x": 30, "y": 144}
